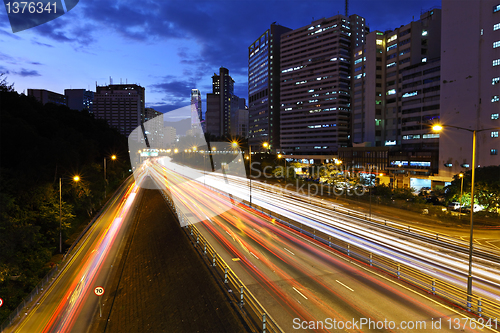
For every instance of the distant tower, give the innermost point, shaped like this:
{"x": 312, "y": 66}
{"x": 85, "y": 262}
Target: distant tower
{"x": 195, "y": 107}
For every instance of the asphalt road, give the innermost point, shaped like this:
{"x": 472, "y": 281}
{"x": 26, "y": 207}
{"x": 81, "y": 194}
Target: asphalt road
{"x": 299, "y": 283}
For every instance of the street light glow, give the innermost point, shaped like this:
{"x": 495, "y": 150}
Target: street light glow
{"x": 113, "y": 157}
{"x": 234, "y": 144}
{"x": 460, "y": 175}
{"x": 279, "y": 155}
{"x": 76, "y": 178}
{"x": 437, "y": 128}
{"x": 265, "y": 145}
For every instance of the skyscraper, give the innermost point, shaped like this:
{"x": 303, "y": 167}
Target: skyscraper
{"x": 121, "y": 105}
{"x": 315, "y": 84}
{"x": 395, "y": 86}
{"x": 264, "y": 86}
{"x": 196, "y": 114}
{"x": 221, "y": 104}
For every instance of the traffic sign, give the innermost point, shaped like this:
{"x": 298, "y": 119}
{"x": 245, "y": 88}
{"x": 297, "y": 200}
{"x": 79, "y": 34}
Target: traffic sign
{"x": 1, "y": 302}
{"x": 99, "y": 291}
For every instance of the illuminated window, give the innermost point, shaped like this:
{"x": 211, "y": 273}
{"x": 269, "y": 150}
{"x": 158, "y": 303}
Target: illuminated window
{"x": 379, "y": 42}
{"x": 494, "y": 134}
{"x": 495, "y": 80}
{"x": 391, "y": 47}
{"x": 393, "y": 37}
{"x": 496, "y": 62}
{"x": 424, "y": 59}
{"x": 391, "y": 92}
{"x": 424, "y": 33}
{"x": 496, "y": 44}
{"x": 495, "y": 98}
{"x": 494, "y": 116}
{"x": 493, "y": 152}
{"x": 391, "y": 64}
{"x": 496, "y": 26}
{"x": 496, "y": 9}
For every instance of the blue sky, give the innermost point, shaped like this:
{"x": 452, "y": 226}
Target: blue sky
{"x": 169, "y": 47}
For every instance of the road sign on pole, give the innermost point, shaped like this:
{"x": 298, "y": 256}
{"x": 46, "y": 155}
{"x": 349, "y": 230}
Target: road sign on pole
{"x": 99, "y": 291}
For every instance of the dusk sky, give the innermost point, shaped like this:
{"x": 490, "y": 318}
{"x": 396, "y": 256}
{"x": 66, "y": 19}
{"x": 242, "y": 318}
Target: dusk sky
{"x": 169, "y": 47}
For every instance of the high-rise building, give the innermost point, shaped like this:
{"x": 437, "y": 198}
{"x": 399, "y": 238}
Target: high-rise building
{"x": 80, "y": 99}
{"x": 264, "y": 87}
{"x": 395, "y": 94}
{"x": 470, "y": 89}
{"x": 196, "y": 115}
{"x": 47, "y": 96}
{"x": 316, "y": 85}
{"x": 220, "y": 103}
{"x": 121, "y": 105}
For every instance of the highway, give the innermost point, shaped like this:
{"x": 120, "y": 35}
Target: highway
{"x": 300, "y": 283}
{"x": 434, "y": 257}
{"x": 69, "y": 304}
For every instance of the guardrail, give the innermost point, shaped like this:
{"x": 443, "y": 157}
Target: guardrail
{"x": 255, "y": 314}
{"x": 480, "y": 306}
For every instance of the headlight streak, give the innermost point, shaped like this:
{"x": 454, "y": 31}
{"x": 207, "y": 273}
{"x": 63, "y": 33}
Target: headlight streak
{"x": 67, "y": 311}
{"x": 420, "y": 257}
{"x": 194, "y": 196}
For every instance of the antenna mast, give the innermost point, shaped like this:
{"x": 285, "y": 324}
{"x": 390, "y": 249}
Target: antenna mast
{"x": 347, "y": 8}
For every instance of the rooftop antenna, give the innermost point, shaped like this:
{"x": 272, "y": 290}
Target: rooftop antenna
{"x": 110, "y": 80}
{"x": 347, "y": 8}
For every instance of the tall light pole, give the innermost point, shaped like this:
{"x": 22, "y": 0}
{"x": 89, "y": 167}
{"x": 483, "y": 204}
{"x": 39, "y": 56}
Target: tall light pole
{"x": 438, "y": 128}
{"x": 113, "y": 157}
{"x": 286, "y": 171}
{"x": 75, "y": 179}
{"x": 461, "y": 175}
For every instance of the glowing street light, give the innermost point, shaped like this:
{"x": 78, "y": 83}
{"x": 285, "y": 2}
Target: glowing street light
{"x": 438, "y": 128}
{"x": 75, "y": 179}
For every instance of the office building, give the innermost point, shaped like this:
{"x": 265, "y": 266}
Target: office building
{"x": 470, "y": 89}
{"x": 220, "y": 103}
{"x": 47, "y": 96}
{"x": 80, "y": 99}
{"x": 316, "y": 85}
{"x": 264, "y": 87}
{"x": 121, "y": 105}
{"x": 396, "y": 88}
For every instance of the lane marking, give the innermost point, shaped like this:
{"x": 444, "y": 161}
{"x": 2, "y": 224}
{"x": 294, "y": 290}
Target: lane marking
{"x": 254, "y": 255}
{"x": 289, "y": 251}
{"x": 344, "y": 285}
{"x": 301, "y": 294}
{"x": 347, "y": 260}
{"x": 256, "y": 230}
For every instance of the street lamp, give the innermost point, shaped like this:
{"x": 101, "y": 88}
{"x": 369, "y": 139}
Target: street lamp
{"x": 75, "y": 179}
{"x": 438, "y": 128}
{"x": 286, "y": 171}
{"x": 113, "y": 157}
{"x": 461, "y": 175}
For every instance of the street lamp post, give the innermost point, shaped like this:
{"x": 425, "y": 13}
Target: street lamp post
{"x": 461, "y": 193}
{"x": 438, "y": 128}
{"x": 113, "y": 157}
{"x": 286, "y": 171}
{"x": 76, "y": 179}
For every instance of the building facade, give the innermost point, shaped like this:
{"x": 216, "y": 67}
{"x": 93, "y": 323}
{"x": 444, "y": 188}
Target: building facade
{"x": 80, "y": 99}
{"x": 316, "y": 85}
{"x": 470, "y": 90}
{"x": 222, "y": 103}
{"x": 264, "y": 88}
{"x": 121, "y": 105}
{"x": 47, "y": 96}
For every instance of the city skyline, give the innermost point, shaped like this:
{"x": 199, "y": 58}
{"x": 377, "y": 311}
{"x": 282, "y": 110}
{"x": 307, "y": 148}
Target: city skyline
{"x": 176, "y": 56}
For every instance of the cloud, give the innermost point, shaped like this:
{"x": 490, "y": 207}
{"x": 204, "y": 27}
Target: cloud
{"x": 25, "y": 72}
{"x": 41, "y": 44}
